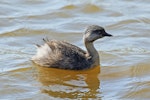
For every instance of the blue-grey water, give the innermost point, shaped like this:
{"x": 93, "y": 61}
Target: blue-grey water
{"x": 124, "y": 58}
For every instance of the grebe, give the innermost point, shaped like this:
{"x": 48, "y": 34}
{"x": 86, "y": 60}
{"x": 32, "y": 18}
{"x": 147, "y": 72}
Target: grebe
{"x": 61, "y": 54}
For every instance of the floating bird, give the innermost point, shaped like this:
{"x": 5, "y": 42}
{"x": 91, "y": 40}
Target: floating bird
{"x": 63, "y": 55}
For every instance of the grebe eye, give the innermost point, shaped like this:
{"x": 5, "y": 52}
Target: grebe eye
{"x": 96, "y": 31}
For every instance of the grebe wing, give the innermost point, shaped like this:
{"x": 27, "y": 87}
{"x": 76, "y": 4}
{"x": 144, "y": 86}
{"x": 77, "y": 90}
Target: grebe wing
{"x": 64, "y": 47}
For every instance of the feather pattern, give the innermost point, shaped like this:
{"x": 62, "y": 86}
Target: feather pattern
{"x": 61, "y": 54}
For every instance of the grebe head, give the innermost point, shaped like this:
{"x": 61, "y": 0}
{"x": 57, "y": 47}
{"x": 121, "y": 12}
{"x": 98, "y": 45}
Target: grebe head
{"x": 94, "y": 32}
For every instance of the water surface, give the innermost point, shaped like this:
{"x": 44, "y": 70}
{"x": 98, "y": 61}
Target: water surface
{"x": 124, "y": 71}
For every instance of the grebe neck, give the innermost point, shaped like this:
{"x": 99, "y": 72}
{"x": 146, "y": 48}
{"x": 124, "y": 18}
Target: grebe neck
{"x": 91, "y": 52}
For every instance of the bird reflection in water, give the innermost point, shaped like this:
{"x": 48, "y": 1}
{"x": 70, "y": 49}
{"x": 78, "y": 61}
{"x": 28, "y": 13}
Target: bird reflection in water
{"x": 71, "y": 84}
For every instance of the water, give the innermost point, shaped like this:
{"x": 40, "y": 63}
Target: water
{"x": 124, "y": 72}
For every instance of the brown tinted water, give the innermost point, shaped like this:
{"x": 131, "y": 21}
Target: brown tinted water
{"x": 125, "y": 58}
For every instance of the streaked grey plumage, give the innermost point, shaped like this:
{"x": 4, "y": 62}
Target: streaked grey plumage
{"x": 61, "y": 54}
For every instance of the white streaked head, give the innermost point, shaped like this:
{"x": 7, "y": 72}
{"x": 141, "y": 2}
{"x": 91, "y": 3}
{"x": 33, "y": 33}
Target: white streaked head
{"x": 94, "y": 32}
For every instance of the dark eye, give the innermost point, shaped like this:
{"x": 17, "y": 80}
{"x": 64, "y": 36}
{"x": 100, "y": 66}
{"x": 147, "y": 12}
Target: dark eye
{"x": 96, "y": 31}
